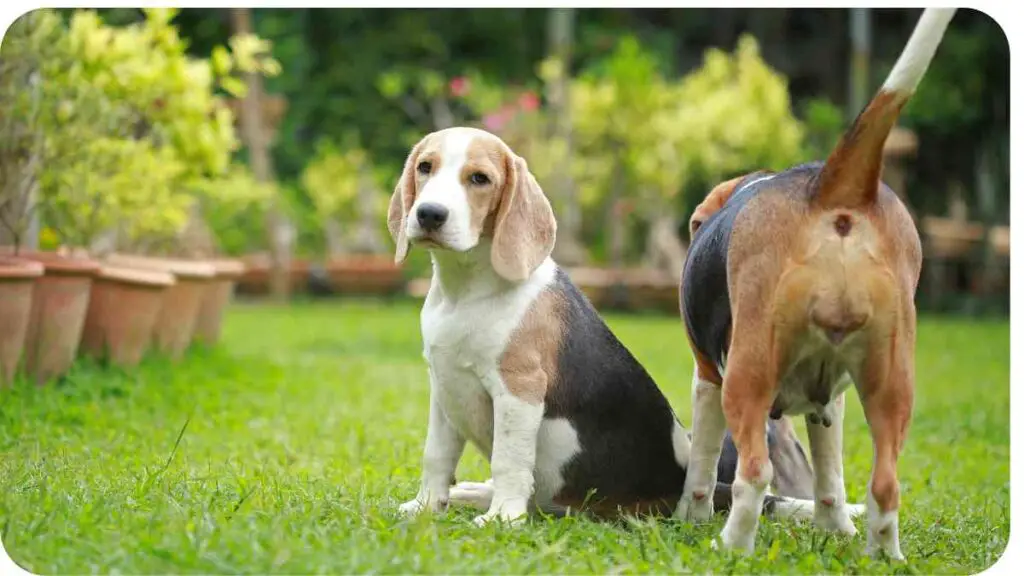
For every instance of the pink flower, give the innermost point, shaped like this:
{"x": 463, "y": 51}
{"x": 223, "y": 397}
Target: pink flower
{"x": 529, "y": 101}
{"x": 459, "y": 86}
{"x": 495, "y": 121}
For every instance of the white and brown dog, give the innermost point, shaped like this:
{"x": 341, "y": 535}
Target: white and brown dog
{"x": 796, "y": 285}
{"x": 522, "y": 366}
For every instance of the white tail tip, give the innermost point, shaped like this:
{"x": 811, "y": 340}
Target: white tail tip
{"x": 919, "y": 51}
{"x": 804, "y": 509}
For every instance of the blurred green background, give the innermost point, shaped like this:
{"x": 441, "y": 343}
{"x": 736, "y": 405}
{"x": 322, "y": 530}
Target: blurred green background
{"x": 626, "y": 116}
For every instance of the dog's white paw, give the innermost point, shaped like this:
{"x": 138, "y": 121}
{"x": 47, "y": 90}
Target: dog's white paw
{"x": 509, "y": 511}
{"x": 694, "y": 510}
{"x": 883, "y": 531}
{"x": 739, "y": 540}
{"x": 878, "y": 549}
{"x": 418, "y": 506}
{"x": 884, "y": 540}
{"x": 834, "y": 518}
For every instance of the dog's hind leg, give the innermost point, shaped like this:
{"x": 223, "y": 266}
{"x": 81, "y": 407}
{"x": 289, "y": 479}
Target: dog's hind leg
{"x": 887, "y": 396}
{"x": 696, "y": 503}
{"x": 830, "y": 510}
{"x": 748, "y": 391}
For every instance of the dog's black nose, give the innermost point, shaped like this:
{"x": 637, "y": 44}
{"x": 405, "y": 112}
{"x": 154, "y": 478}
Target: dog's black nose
{"x": 431, "y": 216}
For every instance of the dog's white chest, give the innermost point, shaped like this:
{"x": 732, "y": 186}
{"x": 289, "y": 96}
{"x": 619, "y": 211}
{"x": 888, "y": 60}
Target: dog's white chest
{"x": 462, "y": 354}
{"x": 463, "y": 341}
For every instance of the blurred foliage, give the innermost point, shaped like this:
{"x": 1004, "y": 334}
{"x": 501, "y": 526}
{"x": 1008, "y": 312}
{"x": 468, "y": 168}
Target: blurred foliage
{"x": 28, "y": 43}
{"x": 824, "y": 123}
{"x": 960, "y": 109}
{"x": 132, "y": 126}
{"x": 334, "y": 179}
{"x": 234, "y": 206}
{"x": 387, "y": 76}
{"x": 730, "y": 115}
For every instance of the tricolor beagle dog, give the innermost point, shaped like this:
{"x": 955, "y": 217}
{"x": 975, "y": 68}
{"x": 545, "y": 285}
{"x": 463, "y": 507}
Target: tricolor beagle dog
{"x": 522, "y": 366}
{"x": 797, "y": 285}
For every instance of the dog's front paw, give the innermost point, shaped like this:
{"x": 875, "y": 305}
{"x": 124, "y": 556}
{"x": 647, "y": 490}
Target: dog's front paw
{"x": 833, "y": 517}
{"x": 694, "y": 507}
{"x": 510, "y": 511}
{"x": 420, "y": 505}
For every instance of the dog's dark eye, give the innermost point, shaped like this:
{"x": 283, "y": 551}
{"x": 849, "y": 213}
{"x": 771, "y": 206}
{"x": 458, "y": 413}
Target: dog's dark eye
{"x": 479, "y": 178}
{"x": 424, "y": 167}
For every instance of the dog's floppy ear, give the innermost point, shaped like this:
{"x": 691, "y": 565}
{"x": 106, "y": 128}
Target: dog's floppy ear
{"x": 524, "y": 228}
{"x": 712, "y": 203}
{"x": 401, "y": 204}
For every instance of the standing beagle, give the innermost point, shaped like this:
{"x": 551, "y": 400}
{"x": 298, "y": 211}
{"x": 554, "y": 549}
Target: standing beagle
{"x": 797, "y": 285}
{"x": 522, "y": 366}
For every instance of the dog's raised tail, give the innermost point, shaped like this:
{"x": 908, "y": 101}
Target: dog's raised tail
{"x": 850, "y": 176}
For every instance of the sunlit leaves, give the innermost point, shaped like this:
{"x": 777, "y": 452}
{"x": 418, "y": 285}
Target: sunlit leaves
{"x": 134, "y": 128}
{"x": 334, "y": 178}
{"x": 729, "y": 115}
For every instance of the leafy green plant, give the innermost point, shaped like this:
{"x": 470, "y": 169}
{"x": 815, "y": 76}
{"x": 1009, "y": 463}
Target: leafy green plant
{"x": 234, "y": 206}
{"x": 824, "y": 123}
{"x": 131, "y": 127}
{"x": 737, "y": 115}
{"x": 345, "y": 189}
{"x": 30, "y": 41}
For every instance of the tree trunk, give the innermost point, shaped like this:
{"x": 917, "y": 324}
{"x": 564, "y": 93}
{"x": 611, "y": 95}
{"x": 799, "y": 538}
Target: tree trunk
{"x": 279, "y": 233}
{"x": 369, "y": 238}
{"x": 860, "y": 59}
{"x": 441, "y": 113}
{"x": 334, "y": 238}
{"x": 987, "y": 205}
{"x": 665, "y": 251}
{"x": 568, "y": 248}
{"x": 615, "y": 217}
{"x": 196, "y": 239}
{"x": 19, "y": 167}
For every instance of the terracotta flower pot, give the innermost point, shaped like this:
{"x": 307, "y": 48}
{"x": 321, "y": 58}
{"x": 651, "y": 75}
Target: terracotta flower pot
{"x": 256, "y": 278}
{"x": 123, "y": 308}
{"x": 176, "y": 323}
{"x": 59, "y": 304}
{"x": 218, "y": 296}
{"x": 365, "y": 275}
{"x": 17, "y": 282}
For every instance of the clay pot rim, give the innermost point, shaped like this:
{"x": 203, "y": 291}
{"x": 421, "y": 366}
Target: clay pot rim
{"x": 228, "y": 268}
{"x": 54, "y": 262}
{"x": 186, "y": 269}
{"x": 12, "y": 268}
{"x": 137, "y": 276}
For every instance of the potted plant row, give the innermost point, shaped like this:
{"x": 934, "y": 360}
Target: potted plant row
{"x": 52, "y": 306}
{"x": 110, "y": 165}
{"x": 166, "y": 303}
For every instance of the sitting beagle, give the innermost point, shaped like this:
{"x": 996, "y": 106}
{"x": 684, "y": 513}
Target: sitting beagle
{"x": 797, "y": 285}
{"x": 520, "y": 363}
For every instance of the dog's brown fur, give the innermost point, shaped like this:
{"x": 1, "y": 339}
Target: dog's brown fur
{"x": 529, "y": 364}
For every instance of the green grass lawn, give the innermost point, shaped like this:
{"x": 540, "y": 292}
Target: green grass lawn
{"x": 288, "y": 448}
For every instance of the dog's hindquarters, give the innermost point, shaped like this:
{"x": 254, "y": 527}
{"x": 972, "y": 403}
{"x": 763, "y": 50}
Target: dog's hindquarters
{"x": 820, "y": 273}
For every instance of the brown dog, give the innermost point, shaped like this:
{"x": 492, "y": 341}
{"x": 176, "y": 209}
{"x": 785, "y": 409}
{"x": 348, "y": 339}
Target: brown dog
{"x": 806, "y": 280}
